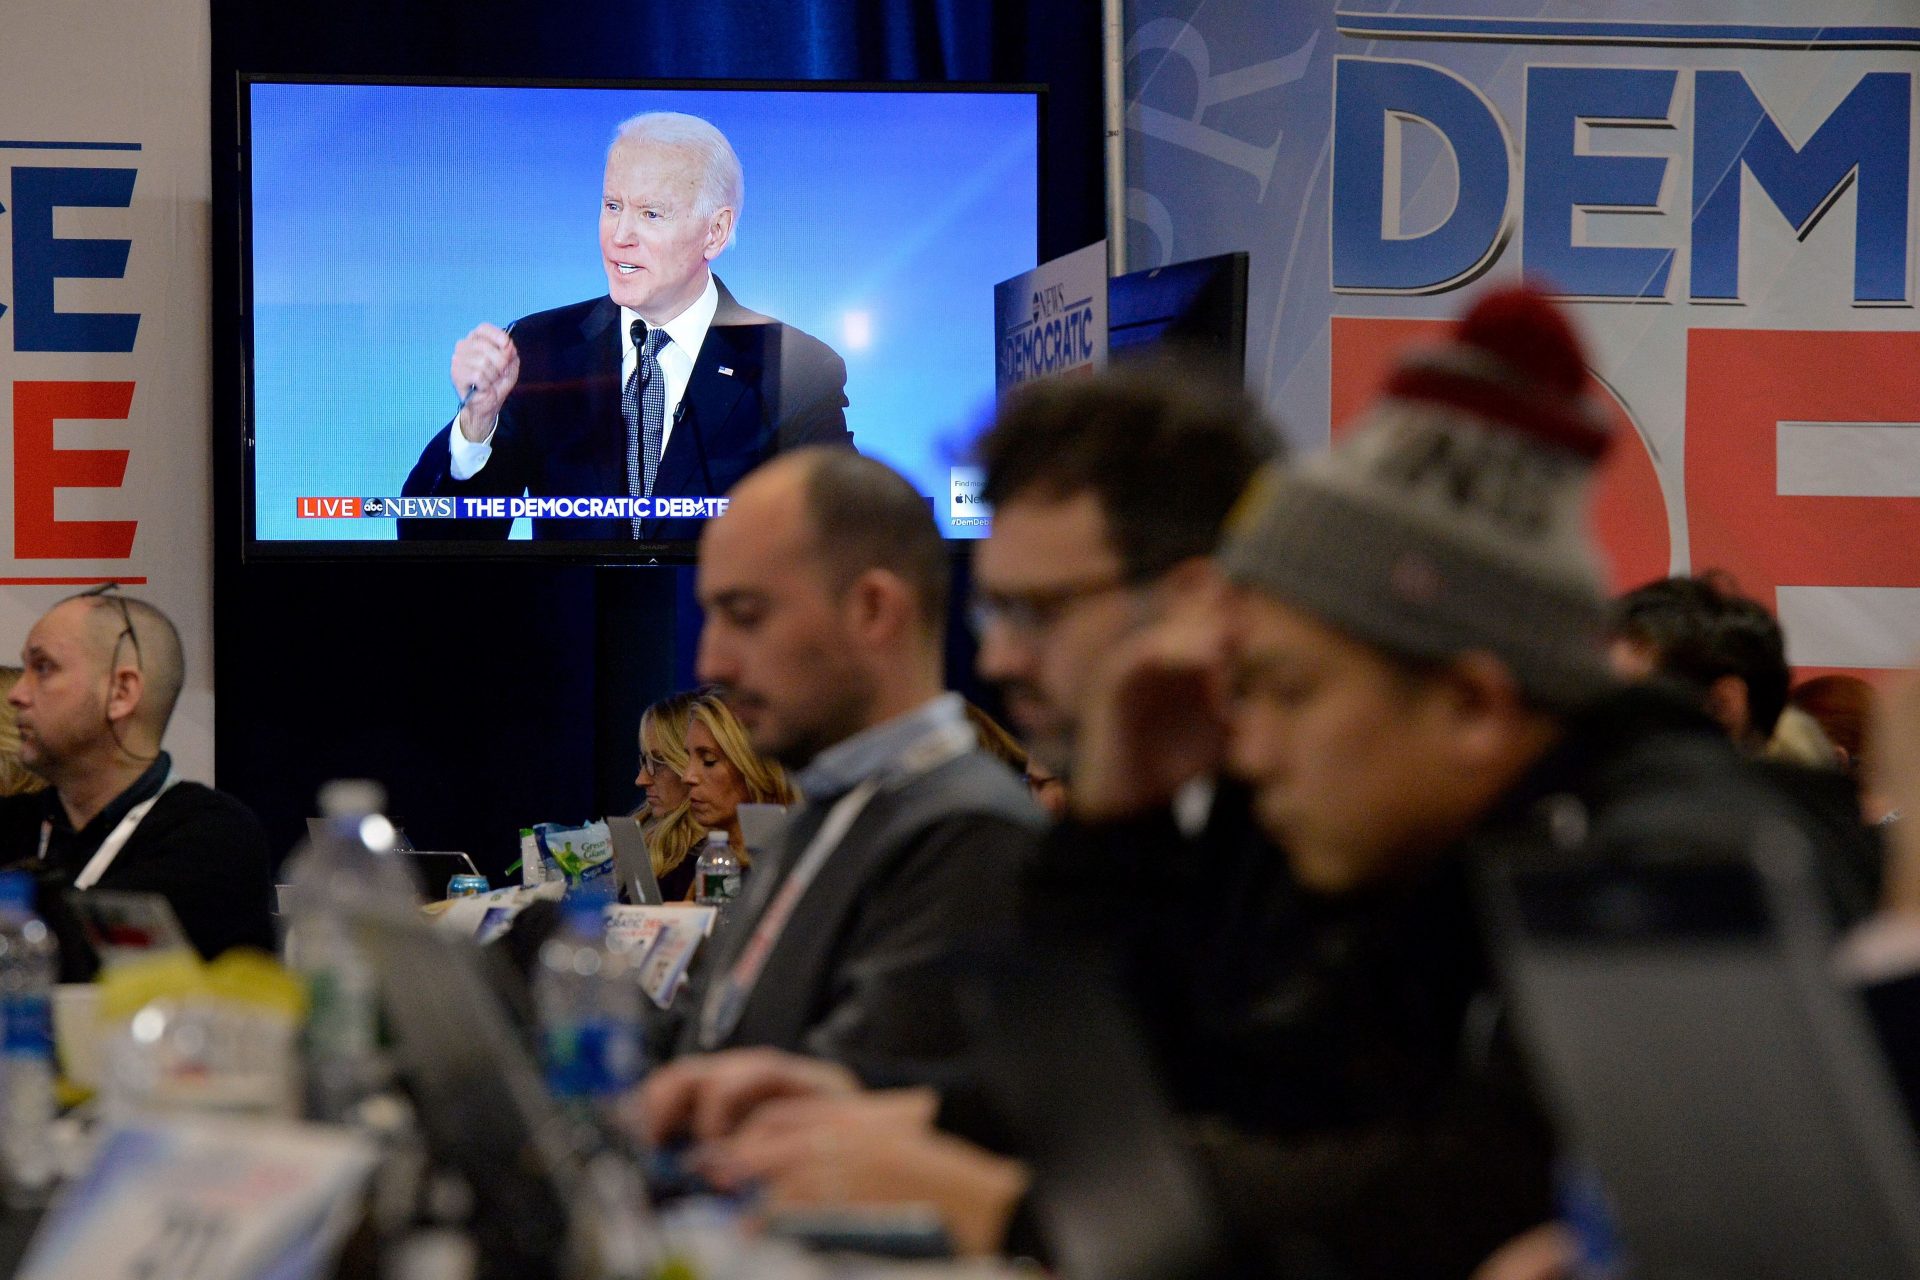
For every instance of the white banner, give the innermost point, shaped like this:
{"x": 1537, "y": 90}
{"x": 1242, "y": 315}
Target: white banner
{"x": 1722, "y": 189}
{"x": 103, "y": 322}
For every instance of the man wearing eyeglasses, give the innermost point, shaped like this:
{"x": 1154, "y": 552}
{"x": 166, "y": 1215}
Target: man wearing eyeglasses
{"x": 1110, "y": 496}
{"x": 102, "y": 674}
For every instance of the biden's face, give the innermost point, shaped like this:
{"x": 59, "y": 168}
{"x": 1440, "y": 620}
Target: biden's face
{"x": 654, "y": 242}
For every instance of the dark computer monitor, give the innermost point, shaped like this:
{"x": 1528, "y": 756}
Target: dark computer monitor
{"x": 1703, "y": 1060}
{"x": 1197, "y": 307}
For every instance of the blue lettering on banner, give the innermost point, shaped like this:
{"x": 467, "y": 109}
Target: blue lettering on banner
{"x": 1370, "y": 96}
{"x": 1862, "y": 144}
{"x": 40, "y": 258}
{"x": 1560, "y": 178}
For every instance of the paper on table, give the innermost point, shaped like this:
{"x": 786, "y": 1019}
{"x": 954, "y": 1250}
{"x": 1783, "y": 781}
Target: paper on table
{"x": 211, "y": 1199}
{"x": 681, "y": 930}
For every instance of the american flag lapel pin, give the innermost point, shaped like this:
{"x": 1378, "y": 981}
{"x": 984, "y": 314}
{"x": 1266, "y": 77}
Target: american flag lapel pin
{"x": 727, "y": 370}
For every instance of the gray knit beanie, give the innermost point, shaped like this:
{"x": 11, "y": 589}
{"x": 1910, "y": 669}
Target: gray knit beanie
{"x": 1453, "y": 519}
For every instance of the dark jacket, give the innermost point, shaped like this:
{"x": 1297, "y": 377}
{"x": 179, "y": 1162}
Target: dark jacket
{"x": 1394, "y": 1131}
{"x": 861, "y": 971}
{"x": 758, "y": 387}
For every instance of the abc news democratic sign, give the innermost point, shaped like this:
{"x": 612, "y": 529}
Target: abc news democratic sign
{"x": 1726, "y": 203}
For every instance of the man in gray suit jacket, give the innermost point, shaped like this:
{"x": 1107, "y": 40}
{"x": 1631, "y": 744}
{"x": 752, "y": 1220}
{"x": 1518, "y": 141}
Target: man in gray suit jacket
{"x": 825, "y": 589}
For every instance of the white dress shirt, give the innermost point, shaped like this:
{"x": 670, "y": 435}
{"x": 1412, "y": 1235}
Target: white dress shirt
{"x": 686, "y": 332}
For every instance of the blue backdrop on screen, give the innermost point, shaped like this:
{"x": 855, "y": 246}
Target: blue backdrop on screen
{"x": 389, "y": 220}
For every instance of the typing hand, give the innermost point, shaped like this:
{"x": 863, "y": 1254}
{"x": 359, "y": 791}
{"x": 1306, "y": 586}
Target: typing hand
{"x": 1548, "y": 1252}
{"x": 708, "y": 1096}
{"x": 876, "y": 1149}
{"x": 486, "y": 365}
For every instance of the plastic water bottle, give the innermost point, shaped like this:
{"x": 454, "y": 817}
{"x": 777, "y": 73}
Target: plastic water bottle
{"x": 28, "y": 964}
{"x": 588, "y": 999}
{"x": 716, "y": 876}
{"x": 343, "y": 870}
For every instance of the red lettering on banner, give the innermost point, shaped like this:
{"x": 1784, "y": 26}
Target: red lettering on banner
{"x": 1629, "y": 513}
{"x": 39, "y": 468}
{"x": 1741, "y": 384}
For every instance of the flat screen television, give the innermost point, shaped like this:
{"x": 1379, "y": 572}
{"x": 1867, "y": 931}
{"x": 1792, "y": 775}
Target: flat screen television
{"x": 384, "y": 221}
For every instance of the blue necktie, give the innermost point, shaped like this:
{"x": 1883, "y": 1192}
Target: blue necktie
{"x": 643, "y": 403}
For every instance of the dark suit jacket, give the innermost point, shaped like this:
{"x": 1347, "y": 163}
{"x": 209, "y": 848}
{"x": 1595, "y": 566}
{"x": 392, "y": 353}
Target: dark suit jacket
{"x": 758, "y": 387}
{"x": 862, "y": 971}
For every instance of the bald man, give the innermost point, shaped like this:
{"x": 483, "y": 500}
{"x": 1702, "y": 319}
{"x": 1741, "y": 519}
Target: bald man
{"x": 103, "y": 672}
{"x": 825, "y": 589}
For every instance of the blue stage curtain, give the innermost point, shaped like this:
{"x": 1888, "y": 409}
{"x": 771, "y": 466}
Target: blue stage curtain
{"x": 809, "y": 39}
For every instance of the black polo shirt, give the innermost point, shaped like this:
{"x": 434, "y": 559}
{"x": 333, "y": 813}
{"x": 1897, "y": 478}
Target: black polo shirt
{"x": 68, "y": 851}
{"x": 200, "y": 849}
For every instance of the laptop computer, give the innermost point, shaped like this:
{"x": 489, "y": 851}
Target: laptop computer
{"x": 543, "y": 1204}
{"x": 317, "y": 827}
{"x": 632, "y": 864}
{"x": 1703, "y": 1062}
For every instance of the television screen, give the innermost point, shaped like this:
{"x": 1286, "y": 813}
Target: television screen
{"x": 476, "y": 325}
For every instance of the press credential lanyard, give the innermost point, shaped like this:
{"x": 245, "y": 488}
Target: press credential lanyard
{"x": 116, "y": 839}
{"x": 728, "y": 1000}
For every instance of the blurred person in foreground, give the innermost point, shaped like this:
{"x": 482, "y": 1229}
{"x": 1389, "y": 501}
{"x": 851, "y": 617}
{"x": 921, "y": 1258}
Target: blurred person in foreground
{"x": 723, "y": 772}
{"x": 1110, "y": 497}
{"x": 671, "y": 831}
{"x": 1408, "y": 669}
{"x": 102, "y": 674}
{"x": 825, "y": 591}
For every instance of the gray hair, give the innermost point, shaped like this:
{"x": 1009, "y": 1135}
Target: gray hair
{"x": 721, "y": 182}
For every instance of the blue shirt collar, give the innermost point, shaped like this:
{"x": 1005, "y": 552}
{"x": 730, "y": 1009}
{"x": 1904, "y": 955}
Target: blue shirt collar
{"x": 873, "y": 752}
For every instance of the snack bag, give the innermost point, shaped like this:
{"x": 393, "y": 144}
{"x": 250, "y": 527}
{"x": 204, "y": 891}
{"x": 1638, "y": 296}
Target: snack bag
{"x": 581, "y": 854}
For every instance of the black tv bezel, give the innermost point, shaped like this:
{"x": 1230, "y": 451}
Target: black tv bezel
{"x": 254, "y": 550}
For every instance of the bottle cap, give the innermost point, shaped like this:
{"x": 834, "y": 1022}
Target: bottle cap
{"x": 717, "y": 837}
{"x": 585, "y": 913}
{"x": 16, "y": 890}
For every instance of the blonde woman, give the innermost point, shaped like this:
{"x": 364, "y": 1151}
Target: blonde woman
{"x": 672, "y": 832}
{"x": 723, "y": 772}
{"x": 15, "y": 778}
